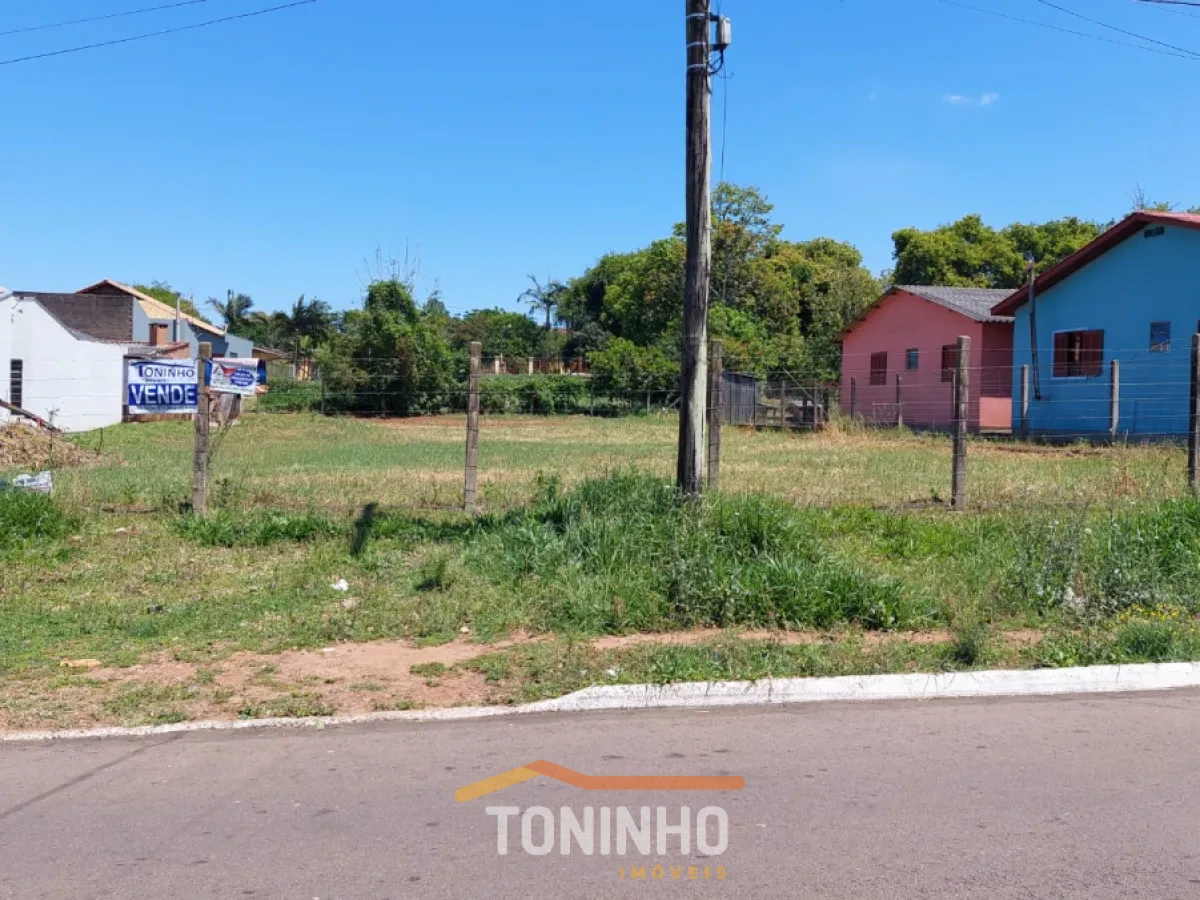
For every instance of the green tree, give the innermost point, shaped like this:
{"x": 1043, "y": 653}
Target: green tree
{"x": 543, "y": 298}
{"x": 388, "y": 357}
{"x": 164, "y": 293}
{"x": 501, "y": 332}
{"x": 234, "y": 309}
{"x": 969, "y": 253}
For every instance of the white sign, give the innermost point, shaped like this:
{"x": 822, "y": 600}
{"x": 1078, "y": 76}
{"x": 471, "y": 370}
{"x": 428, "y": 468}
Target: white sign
{"x": 162, "y": 386}
{"x": 41, "y": 483}
{"x": 234, "y": 376}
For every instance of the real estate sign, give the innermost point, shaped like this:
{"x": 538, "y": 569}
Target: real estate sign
{"x": 234, "y": 376}
{"x": 161, "y": 386}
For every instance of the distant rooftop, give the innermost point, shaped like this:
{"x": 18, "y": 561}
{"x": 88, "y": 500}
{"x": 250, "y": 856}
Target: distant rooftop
{"x": 975, "y": 303}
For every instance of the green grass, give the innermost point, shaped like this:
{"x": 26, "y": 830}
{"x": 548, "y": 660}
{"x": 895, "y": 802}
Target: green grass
{"x": 582, "y": 535}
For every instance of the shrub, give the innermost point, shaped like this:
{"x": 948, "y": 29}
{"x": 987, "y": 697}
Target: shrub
{"x": 625, "y": 552}
{"x": 290, "y": 395}
{"x": 228, "y": 529}
{"x": 536, "y": 394}
{"x": 25, "y": 516}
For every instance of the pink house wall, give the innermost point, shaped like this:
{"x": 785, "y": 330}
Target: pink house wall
{"x": 903, "y": 322}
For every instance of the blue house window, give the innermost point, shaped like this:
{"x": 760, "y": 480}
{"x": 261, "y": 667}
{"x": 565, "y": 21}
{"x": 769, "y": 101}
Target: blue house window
{"x": 911, "y": 358}
{"x": 1078, "y": 354}
{"x": 1160, "y": 337}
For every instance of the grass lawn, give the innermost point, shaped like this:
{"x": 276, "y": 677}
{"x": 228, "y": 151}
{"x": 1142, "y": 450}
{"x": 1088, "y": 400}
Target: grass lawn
{"x": 825, "y": 554}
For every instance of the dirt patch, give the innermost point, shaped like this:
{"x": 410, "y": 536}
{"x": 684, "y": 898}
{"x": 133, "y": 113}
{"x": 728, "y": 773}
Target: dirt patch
{"x": 26, "y": 447}
{"x": 343, "y": 679}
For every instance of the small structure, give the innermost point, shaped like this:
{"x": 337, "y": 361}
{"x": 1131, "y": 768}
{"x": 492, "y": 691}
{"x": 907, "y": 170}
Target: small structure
{"x": 1129, "y": 297}
{"x": 286, "y": 365}
{"x": 899, "y": 358}
{"x": 149, "y": 320}
{"x": 71, "y": 380}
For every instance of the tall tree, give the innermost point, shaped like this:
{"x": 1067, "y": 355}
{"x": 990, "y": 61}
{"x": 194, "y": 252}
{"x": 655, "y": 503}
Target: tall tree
{"x": 234, "y": 309}
{"x": 969, "y": 253}
{"x": 543, "y": 298}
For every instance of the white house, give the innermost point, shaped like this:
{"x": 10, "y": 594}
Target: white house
{"x": 73, "y": 381}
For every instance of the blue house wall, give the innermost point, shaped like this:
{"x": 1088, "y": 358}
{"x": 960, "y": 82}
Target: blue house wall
{"x": 1137, "y": 282}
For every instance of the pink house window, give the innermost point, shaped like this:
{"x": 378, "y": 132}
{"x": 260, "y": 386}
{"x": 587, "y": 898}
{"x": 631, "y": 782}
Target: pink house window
{"x": 879, "y": 368}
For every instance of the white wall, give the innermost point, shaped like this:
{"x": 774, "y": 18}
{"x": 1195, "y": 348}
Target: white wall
{"x": 76, "y": 385}
{"x": 7, "y": 309}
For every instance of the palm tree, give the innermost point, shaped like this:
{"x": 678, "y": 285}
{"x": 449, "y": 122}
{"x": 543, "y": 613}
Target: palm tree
{"x": 235, "y": 310}
{"x": 310, "y": 321}
{"x": 543, "y": 298}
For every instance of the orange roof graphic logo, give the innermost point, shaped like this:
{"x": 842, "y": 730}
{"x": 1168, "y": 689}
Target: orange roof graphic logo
{"x": 598, "y": 782}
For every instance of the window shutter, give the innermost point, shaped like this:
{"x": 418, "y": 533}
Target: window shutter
{"x": 1062, "y": 367}
{"x": 1092, "y": 355}
{"x": 949, "y": 361}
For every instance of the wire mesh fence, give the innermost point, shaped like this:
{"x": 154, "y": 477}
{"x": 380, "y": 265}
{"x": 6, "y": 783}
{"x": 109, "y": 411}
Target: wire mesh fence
{"x": 1075, "y": 431}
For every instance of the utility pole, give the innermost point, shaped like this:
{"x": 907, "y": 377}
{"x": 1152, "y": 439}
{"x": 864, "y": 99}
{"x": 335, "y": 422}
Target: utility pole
{"x": 693, "y": 405}
{"x": 1031, "y": 265}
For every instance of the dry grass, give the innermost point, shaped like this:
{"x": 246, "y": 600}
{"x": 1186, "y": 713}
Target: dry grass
{"x": 297, "y": 461}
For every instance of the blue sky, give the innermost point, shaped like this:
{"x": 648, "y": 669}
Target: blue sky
{"x": 274, "y": 155}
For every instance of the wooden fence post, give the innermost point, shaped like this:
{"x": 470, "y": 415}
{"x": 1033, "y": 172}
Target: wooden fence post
{"x": 716, "y": 409}
{"x": 1024, "y": 401}
{"x": 203, "y": 421}
{"x": 1114, "y": 398}
{"x": 1194, "y": 414}
{"x": 962, "y": 384}
{"x": 472, "y": 429}
{"x": 899, "y": 401}
{"x": 853, "y": 398}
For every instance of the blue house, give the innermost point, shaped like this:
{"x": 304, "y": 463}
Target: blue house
{"x": 1131, "y": 296}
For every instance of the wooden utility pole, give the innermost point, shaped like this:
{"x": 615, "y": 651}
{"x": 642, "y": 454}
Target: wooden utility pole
{"x": 716, "y": 410}
{"x": 203, "y": 422}
{"x": 472, "y": 469}
{"x": 690, "y": 469}
{"x": 853, "y": 399}
{"x": 899, "y": 401}
{"x": 962, "y": 386}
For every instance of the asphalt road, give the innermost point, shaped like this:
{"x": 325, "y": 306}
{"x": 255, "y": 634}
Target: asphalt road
{"x": 1096, "y": 797}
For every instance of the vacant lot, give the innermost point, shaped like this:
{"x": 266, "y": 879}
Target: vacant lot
{"x": 304, "y": 461}
{"x": 825, "y": 554}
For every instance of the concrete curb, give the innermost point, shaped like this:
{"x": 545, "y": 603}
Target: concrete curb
{"x": 1036, "y": 682}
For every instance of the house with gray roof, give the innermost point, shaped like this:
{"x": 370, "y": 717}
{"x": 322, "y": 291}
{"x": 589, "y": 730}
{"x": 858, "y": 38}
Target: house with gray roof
{"x": 899, "y": 357}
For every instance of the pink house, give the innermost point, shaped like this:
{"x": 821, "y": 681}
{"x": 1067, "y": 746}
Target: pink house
{"x": 899, "y": 356}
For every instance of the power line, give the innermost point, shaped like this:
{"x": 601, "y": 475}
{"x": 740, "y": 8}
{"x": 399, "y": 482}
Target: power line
{"x": 1172, "y": 8}
{"x": 116, "y": 15}
{"x": 153, "y": 34}
{"x": 1140, "y": 37}
{"x": 1095, "y": 37}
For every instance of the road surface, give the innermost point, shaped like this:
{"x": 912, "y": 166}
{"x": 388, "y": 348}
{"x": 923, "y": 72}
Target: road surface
{"x": 1090, "y": 797}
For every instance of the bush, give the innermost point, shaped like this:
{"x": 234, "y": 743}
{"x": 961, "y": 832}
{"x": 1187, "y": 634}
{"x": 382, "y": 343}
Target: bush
{"x": 625, "y": 553}
{"x": 1098, "y": 566}
{"x": 228, "y": 529}
{"x": 290, "y": 395}
{"x": 537, "y": 394}
{"x": 25, "y": 516}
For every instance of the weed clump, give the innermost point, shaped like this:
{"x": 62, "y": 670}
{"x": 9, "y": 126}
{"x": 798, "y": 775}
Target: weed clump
{"x": 259, "y": 529}
{"x": 627, "y": 553}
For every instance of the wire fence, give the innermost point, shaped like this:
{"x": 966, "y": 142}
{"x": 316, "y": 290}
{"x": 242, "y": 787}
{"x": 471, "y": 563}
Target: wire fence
{"x": 901, "y": 427}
